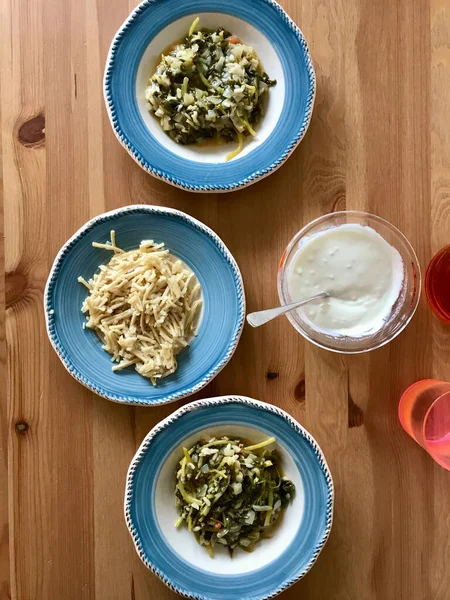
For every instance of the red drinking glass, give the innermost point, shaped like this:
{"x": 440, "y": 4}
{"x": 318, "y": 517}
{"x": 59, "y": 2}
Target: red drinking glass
{"x": 424, "y": 413}
{"x": 437, "y": 284}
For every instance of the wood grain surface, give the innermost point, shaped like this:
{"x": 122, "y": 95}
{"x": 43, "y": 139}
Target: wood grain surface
{"x": 379, "y": 141}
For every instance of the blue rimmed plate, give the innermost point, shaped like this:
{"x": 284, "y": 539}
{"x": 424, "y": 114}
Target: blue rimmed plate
{"x": 174, "y": 555}
{"x": 223, "y": 304}
{"x": 282, "y": 48}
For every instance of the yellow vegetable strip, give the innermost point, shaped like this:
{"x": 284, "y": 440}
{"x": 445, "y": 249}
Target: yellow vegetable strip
{"x": 238, "y": 150}
{"x": 193, "y": 26}
{"x": 260, "y": 445}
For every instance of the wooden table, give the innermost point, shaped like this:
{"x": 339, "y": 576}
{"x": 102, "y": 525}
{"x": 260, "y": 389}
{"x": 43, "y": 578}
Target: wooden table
{"x": 379, "y": 141}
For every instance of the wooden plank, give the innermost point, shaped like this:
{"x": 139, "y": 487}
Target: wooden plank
{"x": 440, "y": 203}
{"x": 72, "y": 567}
{"x": 395, "y": 101}
{"x": 5, "y": 586}
{"x": 323, "y": 181}
{"x": 26, "y": 427}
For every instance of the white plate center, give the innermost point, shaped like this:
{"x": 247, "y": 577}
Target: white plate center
{"x": 183, "y": 541}
{"x": 246, "y": 32}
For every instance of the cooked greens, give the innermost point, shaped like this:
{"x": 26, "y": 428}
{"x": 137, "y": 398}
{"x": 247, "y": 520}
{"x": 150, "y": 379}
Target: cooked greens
{"x": 211, "y": 85}
{"x": 229, "y": 493}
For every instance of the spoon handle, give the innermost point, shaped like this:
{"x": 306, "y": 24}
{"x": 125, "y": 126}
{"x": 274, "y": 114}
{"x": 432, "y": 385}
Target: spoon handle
{"x": 260, "y": 317}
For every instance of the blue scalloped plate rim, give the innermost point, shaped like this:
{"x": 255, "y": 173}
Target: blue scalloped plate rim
{"x": 260, "y": 584}
{"x": 170, "y": 389}
{"x": 119, "y": 93}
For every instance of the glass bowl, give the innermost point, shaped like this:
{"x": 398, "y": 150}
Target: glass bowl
{"x": 401, "y": 312}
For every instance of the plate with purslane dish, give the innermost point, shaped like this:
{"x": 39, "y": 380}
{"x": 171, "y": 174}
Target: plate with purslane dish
{"x": 164, "y": 308}
{"x": 173, "y": 526}
{"x": 210, "y": 96}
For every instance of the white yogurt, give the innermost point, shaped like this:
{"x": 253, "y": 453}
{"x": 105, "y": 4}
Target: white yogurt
{"x": 358, "y": 268}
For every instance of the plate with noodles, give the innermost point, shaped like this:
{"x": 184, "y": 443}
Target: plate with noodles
{"x": 144, "y": 305}
{"x": 209, "y": 95}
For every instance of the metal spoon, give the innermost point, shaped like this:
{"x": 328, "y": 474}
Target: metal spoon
{"x": 261, "y": 317}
